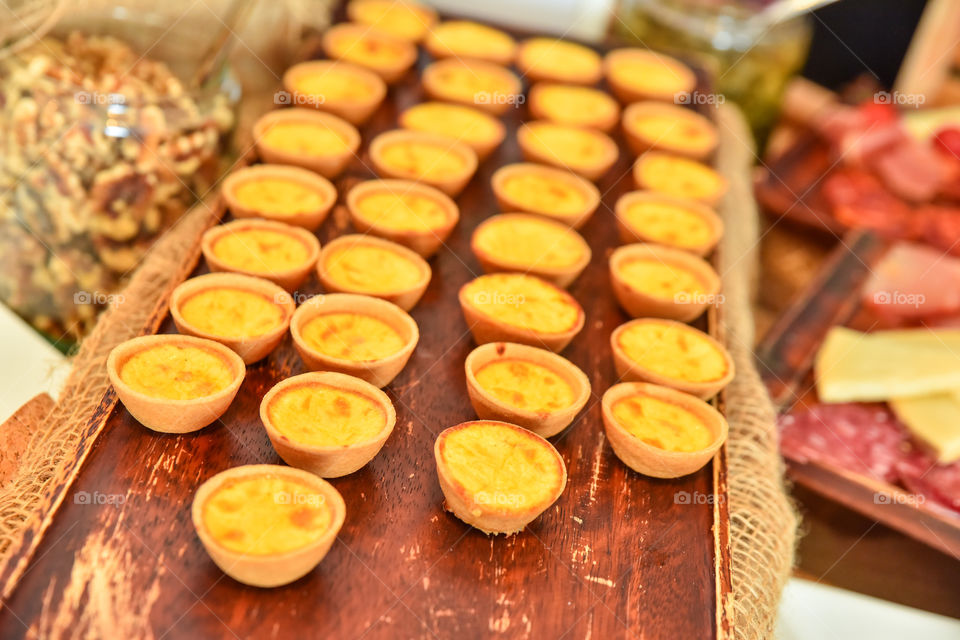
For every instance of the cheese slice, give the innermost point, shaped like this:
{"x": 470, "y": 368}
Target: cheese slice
{"x": 934, "y": 420}
{"x": 859, "y": 367}
{"x": 948, "y": 339}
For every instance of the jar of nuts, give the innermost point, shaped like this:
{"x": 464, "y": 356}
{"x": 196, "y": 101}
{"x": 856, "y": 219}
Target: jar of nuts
{"x": 104, "y": 143}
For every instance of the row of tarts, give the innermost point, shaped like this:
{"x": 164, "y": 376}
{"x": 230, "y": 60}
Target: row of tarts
{"x": 268, "y": 525}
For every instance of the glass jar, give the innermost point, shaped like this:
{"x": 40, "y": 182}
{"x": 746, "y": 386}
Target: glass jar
{"x": 750, "y": 64}
{"x": 103, "y": 145}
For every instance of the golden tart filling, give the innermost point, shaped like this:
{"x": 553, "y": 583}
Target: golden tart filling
{"x": 367, "y": 268}
{"x": 678, "y": 176}
{"x": 278, "y": 197}
{"x": 337, "y": 83}
{"x": 352, "y": 336}
{"x": 661, "y": 280}
{"x": 673, "y": 351}
{"x": 675, "y": 128}
{"x": 661, "y": 424}
{"x": 423, "y": 160}
{"x": 576, "y": 106}
{"x": 320, "y": 415}
{"x": 507, "y": 465}
{"x": 261, "y": 250}
{"x": 367, "y": 47}
{"x": 523, "y": 301}
{"x": 304, "y": 138}
{"x": 669, "y": 223}
{"x": 176, "y": 372}
{"x": 472, "y": 83}
{"x": 402, "y": 211}
{"x": 558, "y": 59}
{"x": 566, "y": 145}
{"x": 465, "y": 39}
{"x": 544, "y": 194}
{"x": 400, "y": 19}
{"x": 266, "y": 515}
{"x": 231, "y": 313}
{"x": 452, "y": 120}
{"x": 525, "y": 385}
{"x": 529, "y": 242}
{"x": 651, "y": 74}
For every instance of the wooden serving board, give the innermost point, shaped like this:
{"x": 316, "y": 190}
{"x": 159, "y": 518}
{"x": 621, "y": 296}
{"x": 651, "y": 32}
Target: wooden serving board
{"x": 787, "y": 353}
{"x": 619, "y": 554}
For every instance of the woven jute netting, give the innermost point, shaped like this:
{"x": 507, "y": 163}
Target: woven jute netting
{"x": 762, "y": 522}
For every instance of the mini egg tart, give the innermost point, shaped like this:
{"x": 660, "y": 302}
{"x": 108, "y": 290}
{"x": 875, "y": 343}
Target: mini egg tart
{"x": 675, "y": 175}
{"x": 481, "y": 131}
{"x": 343, "y": 89}
{"x": 249, "y": 315}
{"x": 274, "y": 251}
{"x": 553, "y": 193}
{"x": 275, "y": 192}
{"x": 530, "y": 244}
{"x": 496, "y": 476}
{"x": 399, "y": 18}
{"x": 662, "y": 282}
{"x": 266, "y": 525}
{"x": 475, "y": 83}
{"x": 370, "y": 266}
{"x": 661, "y": 432}
{"x": 385, "y": 55}
{"x": 430, "y": 158}
{"x": 327, "y": 423}
{"x": 667, "y": 127}
{"x": 645, "y": 216}
{"x": 640, "y": 74}
{"x": 587, "y": 152}
{"x": 526, "y": 386}
{"x": 173, "y": 383}
{"x": 574, "y": 106}
{"x": 552, "y": 60}
{"x": 465, "y": 39}
{"x": 360, "y": 336}
{"x": 405, "y": 212}
{"x": 516, "y": 307}
{"x": 307, "y": 138}
{"x": 671, "y": 354}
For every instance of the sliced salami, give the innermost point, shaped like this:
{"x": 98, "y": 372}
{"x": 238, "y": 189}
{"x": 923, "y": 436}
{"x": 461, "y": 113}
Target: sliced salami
{"x": 938, "y": 483}
{"x": 857, "y": 437}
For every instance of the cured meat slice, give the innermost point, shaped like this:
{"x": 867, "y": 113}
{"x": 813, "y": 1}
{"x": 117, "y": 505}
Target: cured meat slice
{"x": 857, "y": 437}
{"x": 859, "y": 199}
{"x": 911, "y": 170}
{"x": 914, "y": 281}
{"x": 940, "y": 226}
{"x": 938, "y": 483}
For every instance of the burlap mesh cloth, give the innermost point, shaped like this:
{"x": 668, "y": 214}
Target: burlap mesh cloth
{"x": 763, "y": 524}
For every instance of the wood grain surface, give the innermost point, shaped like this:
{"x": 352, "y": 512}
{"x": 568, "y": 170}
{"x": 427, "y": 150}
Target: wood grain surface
{"x": 619, "y": 555}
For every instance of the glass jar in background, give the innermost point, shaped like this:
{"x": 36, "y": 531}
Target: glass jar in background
{"x": 104, "y": 144}
{"x": 750, "y": 63}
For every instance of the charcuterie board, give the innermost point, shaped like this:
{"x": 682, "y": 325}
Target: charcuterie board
{"x": 618, "y": 555}
{"x": 787, "y": 358}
